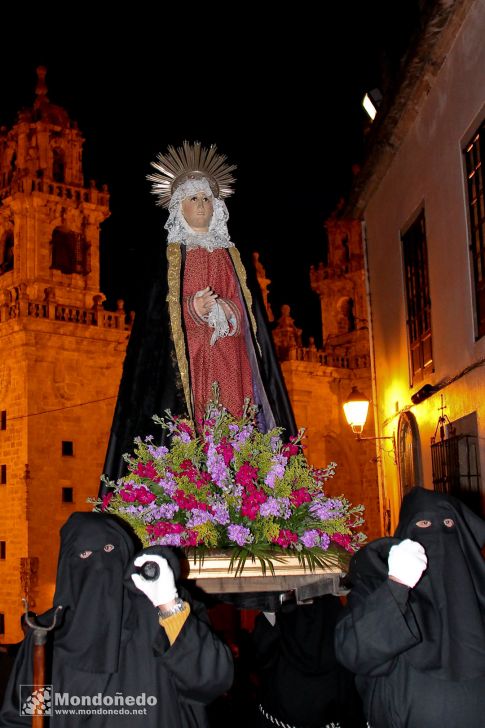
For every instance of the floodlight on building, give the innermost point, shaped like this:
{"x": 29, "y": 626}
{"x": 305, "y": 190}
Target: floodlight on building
{"x": 371, "y": 102}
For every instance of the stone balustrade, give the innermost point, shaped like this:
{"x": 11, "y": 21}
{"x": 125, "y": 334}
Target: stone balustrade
{"x": 74, "y": 193}
{"x": 314, "y": 355}
{"x": 16, "y": 304}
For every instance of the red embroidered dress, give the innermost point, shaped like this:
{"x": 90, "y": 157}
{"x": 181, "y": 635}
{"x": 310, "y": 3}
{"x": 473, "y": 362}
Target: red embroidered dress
{"x": 226, "y": 361}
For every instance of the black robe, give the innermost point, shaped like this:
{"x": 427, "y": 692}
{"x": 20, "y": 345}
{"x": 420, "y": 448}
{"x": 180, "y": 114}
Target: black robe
{"x": 156, "y": 375}
{"x": 302, "y": 683}
{"x": 419, "y": 654}
{"x": 110, "y": 642}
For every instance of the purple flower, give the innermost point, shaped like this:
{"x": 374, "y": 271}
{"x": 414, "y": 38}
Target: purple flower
{"x": 310, "y": 538}
{"x": 325, "y": 541}
{"x": 277, "y": 470}
{"x": 275, "y": 507}
{"x": 216, "y": 466}
{"x": 133, "y": 510}
{"x": 326, "y": 510}
{"x": 170, "y": 539}
{"x": 239, "y": 534}
{"x": 167, "y": 482}
{"x": 183, "y": 436}
{"x": 165, "y": 512}
{"x": 285, "y": 507}
{"x": 275, "y": 441}
{"x": 197, "y": 517}
{"x": 242, "y": 436}
{"x": 221, "y": 513}
{"x": 271, "y": 507}
{"x": 157, "y": 452}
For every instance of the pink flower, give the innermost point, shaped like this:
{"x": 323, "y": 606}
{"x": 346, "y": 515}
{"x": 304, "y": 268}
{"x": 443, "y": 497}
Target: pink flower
{"x": 147, "y": 471}
{"x": 190, "y": 471}
{"x": 144, "y": 496}
{"x": 251, "y": 502}
{"x": 187, "y": 501}
{"x": 184, "y": 427}
{"x": 161, "y": 528}
{"x": 190, "y": 539}
{"x": 344, "y": 540}
{"x": 106, "y": 500}
{"x": 225, "y": 449}
{"x": 204, "y": 479}
{"x": 128, "y": 495}
{"x": 299, "y": 496}
{"x": 246, "y": 475}
{"x": 290, "y": 449}
{"x": 285, "y": 538}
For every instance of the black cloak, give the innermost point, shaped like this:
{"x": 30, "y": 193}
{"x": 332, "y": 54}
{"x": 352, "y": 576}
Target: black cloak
{"x": 302, "y": 683}
{"x": 110, "y": 643}
{"x": 419, "y": 653}
{"x": 156, "y": 375}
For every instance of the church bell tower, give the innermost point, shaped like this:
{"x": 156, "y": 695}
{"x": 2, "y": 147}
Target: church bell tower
{"x": 61, "y": 352}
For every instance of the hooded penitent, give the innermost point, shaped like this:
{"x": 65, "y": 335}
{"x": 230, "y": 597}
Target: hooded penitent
{"x": 419, "y": 653}
{"x": 449, "y": 600}
{"x": 95, "y": 552}
{"x": 302, "y": 684}
{"x": 110, "y": 643}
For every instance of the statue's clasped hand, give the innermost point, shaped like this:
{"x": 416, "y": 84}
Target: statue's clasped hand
{"x": 204, "y": 301}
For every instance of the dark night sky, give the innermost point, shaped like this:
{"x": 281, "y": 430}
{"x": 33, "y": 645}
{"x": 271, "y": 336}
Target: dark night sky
{"x": 283, "y": 104}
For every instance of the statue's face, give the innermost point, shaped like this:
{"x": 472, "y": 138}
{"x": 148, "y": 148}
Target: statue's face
{"x": 197, "y": 211}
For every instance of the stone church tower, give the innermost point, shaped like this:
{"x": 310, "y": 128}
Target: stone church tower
{"x": 60, "y": 352}
{"x": 320, "y": 380}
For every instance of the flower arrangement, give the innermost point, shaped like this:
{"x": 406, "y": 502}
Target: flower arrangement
{"x": 231, "y": 486}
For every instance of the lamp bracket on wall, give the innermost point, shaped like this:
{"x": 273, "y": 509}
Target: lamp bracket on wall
{"x": 391, "y": 452}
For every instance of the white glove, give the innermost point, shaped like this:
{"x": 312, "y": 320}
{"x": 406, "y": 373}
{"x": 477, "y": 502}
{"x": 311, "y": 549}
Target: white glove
{"x": 407, "y": 561}
{"x": 159, "y": 591}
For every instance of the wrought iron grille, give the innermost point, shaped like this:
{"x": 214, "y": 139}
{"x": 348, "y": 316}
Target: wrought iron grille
{"x": 456, "y": 469}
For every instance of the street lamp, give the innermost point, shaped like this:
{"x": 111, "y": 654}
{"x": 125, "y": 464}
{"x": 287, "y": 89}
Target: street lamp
{"x": 356, "y": 407}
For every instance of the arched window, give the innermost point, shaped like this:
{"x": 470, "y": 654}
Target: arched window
{"x": 59, "y": 165}
{"x": 409, "y": 452}
{"x": 6, "y": 252}
{"x": 69, "y": 251}
{"x": 345, "y": 315}
{"x": 12, "y": 168}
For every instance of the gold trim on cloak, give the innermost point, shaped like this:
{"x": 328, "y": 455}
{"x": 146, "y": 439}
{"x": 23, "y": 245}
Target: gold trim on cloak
{"x": 241, "y": 276}
{"x": 174, "y": 297}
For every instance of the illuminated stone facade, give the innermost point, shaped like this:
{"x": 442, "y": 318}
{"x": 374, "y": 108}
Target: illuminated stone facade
{"x": 60, "y": 352}
{"x": 319, "y": 381}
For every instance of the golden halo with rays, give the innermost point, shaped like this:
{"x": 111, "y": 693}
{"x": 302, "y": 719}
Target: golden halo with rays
{"x": 191, "y": 161}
